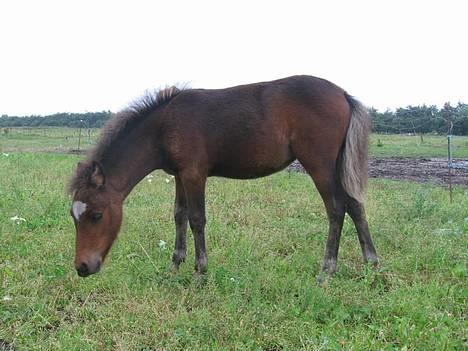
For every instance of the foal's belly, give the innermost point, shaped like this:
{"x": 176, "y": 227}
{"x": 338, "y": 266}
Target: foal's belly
{"x": 254, "y": 164}
{"x": 248, "y": 172}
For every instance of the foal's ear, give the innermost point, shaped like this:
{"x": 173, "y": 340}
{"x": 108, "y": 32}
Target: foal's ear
{"x": 97, "y": 177}
{"x": 81, "y": 166}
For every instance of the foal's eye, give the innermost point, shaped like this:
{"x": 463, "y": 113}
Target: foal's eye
{"x": 96, "y": 217}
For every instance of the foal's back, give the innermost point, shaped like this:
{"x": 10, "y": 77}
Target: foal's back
{"x": 250, "y": 131}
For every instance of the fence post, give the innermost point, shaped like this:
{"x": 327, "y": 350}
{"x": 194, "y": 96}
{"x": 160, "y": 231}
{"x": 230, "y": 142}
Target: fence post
{"x": 449, "y": 141}
{"x": 449, "y": 145}
{"x": 79, "y": 135}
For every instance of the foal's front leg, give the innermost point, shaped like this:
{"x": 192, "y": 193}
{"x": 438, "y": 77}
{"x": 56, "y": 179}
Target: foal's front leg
{"x": 194, "y": 185}
{"x": 181, "y": 220}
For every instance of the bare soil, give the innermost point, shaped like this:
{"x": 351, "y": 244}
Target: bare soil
{"x": 59, "y": 150}
{"x": 424, "y": 170}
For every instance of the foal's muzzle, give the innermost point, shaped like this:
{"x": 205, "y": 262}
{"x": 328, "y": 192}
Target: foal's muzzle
{"x": 84, "y": 269}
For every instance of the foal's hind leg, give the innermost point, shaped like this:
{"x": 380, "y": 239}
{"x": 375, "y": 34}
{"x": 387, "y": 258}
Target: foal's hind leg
{"x": 333, "y": 198}
{"x": 357, "y": 213}
{"x": 325, "y": 178}
{"x": 181, "y": 220}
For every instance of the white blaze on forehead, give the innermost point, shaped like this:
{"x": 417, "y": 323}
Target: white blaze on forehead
{"x": 78, "y": 209}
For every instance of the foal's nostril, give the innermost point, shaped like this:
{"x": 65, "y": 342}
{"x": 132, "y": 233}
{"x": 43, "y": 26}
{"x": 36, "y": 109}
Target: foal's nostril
{"x": 83, "y": 270}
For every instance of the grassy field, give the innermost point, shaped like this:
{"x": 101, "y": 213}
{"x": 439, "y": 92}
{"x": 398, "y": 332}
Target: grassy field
{"x": 414, "y": 146}
{"x": 265, "y": 243}
{"x": 56, "y": 139}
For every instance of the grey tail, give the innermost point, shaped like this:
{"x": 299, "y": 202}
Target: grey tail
{"x": 353, "y": 161}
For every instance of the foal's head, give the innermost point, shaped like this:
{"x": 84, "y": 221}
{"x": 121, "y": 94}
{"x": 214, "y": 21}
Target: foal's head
{"x": 97, "y": 213}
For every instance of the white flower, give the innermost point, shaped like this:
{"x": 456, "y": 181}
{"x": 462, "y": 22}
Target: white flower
{"x": 162, "y": 244}
{"x": 149, "y": 177}
{"x": 5, "y": 154}
{"x": 17, "y": 219}
{"x": 167, "y": 180}
{"x": 7, "y": 298}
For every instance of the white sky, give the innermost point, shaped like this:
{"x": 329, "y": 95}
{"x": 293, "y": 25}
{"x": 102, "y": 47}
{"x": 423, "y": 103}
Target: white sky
{"x": 75, "y": 56}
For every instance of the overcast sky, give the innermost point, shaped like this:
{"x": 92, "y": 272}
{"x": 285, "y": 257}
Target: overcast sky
{"x": 75, "y": 56}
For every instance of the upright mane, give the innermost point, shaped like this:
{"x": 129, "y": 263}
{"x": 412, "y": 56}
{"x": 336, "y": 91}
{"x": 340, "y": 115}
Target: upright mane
{"x": 121, "y": 124}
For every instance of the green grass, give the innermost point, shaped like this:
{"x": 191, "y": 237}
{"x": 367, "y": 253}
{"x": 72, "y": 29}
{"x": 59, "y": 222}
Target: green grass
{"x": 265, "y": 243}
{"x": 413, "y": 146}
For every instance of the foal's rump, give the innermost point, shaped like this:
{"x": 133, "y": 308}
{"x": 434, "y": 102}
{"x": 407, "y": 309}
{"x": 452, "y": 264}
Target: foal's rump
{"x": 299, "y": 117}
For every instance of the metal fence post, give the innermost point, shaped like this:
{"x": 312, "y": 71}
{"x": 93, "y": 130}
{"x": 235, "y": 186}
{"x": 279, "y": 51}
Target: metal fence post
{"x": 449, "y": 142}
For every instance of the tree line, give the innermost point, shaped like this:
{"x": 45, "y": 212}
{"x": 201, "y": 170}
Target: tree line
{"x": 72, "y": 120}
{"x": 411, "y": 119}
{"x": 422, "y": 119}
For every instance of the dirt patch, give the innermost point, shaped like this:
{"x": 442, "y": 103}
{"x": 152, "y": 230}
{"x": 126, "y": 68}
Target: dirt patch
{"x": 59, "y": 150}
{"x": 430, "y": 170}
{"x": 425, "y": 170}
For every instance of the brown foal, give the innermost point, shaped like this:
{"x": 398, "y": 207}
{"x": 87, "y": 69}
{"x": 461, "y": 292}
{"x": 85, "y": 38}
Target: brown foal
{"x": 242, "y": 132}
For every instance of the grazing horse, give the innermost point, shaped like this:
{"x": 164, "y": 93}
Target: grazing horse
{"x": 243, "y": 132}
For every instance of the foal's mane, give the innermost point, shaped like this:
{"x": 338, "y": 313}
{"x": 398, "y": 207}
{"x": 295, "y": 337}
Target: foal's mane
{"x": 118, "y": 126}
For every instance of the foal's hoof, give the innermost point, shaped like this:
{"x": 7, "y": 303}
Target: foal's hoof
{"x": 200, "y": 278}
{"x": 373, "y": 262}
{"x": 178, "y": 257}
{"x": 323, "y": 279}
{"x": 174, "y": 268}
{"x": 201, "y": 266}
{"x": 328, "y": 269}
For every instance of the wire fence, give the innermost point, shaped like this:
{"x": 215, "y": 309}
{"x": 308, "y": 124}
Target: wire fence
{"x": 47, "y": 138}
{"x": 49, "y": 132}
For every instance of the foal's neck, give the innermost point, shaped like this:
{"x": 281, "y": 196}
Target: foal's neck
{"x": 132, "y": 158}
